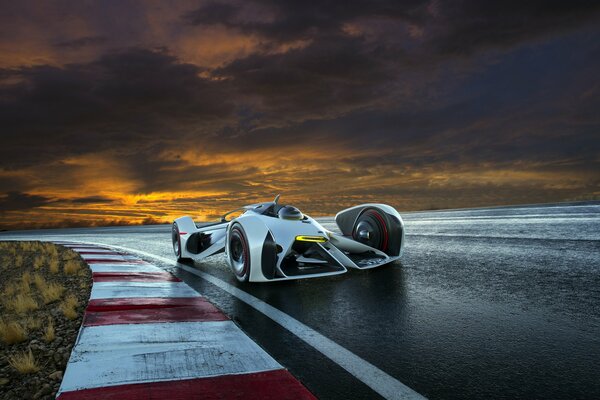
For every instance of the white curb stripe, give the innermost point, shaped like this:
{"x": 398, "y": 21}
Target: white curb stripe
{"x": 118, "y": 264}
{"x": 82, "y": 247}
{"x": 378, "y": 380}
{"x": 124, "y": 268}
{"x": 96, "y": 250}
{"x": 116, "y": 290}
{"x": 108, "y": 257}
{"x": 113, "y": 355}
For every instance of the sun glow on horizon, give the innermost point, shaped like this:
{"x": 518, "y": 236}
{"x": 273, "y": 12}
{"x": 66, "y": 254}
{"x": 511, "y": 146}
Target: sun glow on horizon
{"x": 321, "y": 183}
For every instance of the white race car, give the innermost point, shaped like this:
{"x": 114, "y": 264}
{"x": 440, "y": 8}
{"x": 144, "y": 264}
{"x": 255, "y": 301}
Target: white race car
{"x": 273, "y": 242}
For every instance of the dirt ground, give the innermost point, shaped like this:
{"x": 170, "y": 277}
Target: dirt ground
{"x": 44, "y": 289}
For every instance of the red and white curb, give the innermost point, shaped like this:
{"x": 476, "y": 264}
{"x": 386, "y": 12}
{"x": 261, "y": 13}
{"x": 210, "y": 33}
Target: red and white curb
{"x": 147, "y": 335}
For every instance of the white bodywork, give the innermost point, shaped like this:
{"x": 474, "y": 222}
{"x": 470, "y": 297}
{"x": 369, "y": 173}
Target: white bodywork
{"x": 283, "y": 249}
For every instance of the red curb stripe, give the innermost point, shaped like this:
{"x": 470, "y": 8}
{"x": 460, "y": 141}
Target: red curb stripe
{"x": 133, "y": 303}
{"x": 111, "y": 261}
{"x": 134, "y": 277}
{"x": 140, "y": 313}
{"x": 79, "y": 249}
{"x": 270, "y": 385}
{"x": 154, "y": 315}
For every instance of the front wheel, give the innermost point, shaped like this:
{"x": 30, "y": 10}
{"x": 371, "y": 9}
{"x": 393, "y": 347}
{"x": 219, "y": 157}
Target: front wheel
{"x": 371, "y": 229}
{"x": 239, "y": 253}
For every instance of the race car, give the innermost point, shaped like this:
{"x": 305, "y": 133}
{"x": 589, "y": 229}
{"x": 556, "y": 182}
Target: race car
{"x": 273, "y": 242}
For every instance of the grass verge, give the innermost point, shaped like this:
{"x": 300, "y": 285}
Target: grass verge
{"x": 24, "y": 362}
{"x": 43, "y": 291}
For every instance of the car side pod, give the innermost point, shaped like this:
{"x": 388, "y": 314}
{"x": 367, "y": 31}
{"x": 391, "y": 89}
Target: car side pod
{"x": 379, "y": 226}
{"x": 197, "y": 242}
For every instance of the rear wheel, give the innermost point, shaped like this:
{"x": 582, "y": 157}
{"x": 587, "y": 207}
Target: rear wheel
{"x": 176, "y": 239}
{"x": 239, "y": 253}
{"x": 371, "y": 229}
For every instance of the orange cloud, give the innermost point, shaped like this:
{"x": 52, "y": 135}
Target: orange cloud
{"x": 99, "y": 190}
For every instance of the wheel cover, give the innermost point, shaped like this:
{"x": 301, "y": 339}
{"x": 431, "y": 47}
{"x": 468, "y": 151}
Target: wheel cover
{"x": 371, "y": 230}
{"x": 238, "y": 253}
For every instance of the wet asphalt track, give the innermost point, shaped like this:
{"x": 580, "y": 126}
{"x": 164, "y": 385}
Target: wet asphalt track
{"x": 486, "y": 303}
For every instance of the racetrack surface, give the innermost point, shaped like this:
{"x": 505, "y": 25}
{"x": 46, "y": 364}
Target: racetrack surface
{"x": 485, "y": 303}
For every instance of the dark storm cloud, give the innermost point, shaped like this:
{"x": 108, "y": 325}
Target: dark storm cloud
{"x": 380, "y": 65}
{"x": 504, "y": 112}
{"x": 449, "y": 26}
{"x": 137, "y": 99}
{"x": 177, "y": 175}
{"x": 13, "y": 201}
{"x": 462, "y": 27}
{"x": 291, "y": 20}
{"x": 75, "y": 44}
{"x": 335, "y": 74}
{"x": 92, "y": 200}
{"x": 122, "y": 100}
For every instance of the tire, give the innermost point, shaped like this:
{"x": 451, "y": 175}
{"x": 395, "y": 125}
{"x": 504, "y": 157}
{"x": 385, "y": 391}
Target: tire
{"x": 176, "y": 239}
{"x": 371, "y": 228}
{"x": 239, "y": 253}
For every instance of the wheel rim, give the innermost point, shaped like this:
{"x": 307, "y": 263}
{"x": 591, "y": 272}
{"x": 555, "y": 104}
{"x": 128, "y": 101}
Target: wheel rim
{"x": 176, "y": 239}
{"x": 238, "y": 253}
{"x": 370, "y": 229}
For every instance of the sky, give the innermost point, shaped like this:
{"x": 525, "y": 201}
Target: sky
{"x": 127, "y": 112}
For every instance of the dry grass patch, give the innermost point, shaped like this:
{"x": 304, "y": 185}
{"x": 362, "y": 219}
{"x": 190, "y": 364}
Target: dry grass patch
{"x": 8, "y": 292}
{"x": 51, "y": 250}
{"x": 72, "y": 267}
{"x": 39, "y": 281}
{"x": 39, "y": 262}
{"x": 25, "y": 285}
{"x": 26, "y": 278}
{"x": 32, "y": 323}
{"x": 43, "y": 290}
{"x": 69, "y": 307}
{"x": 53, "y": 265}
{"x": 24, "y": 362}
{"x": 12, "y": 332}
{"x": 7, "y": 261}
{"x": 69, "y": 255}
{"x": 49, "y": 334}
{"x": 22, "y": 303}
{"x": 49, "y": 292}
{"x": 52, "y": 292}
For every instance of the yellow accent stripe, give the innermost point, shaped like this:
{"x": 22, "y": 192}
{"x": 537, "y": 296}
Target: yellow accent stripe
{"x": 317, "y": 239}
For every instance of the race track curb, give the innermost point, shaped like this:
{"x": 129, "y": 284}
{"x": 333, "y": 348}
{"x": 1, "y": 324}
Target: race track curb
{"x": 148, "y": 335}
